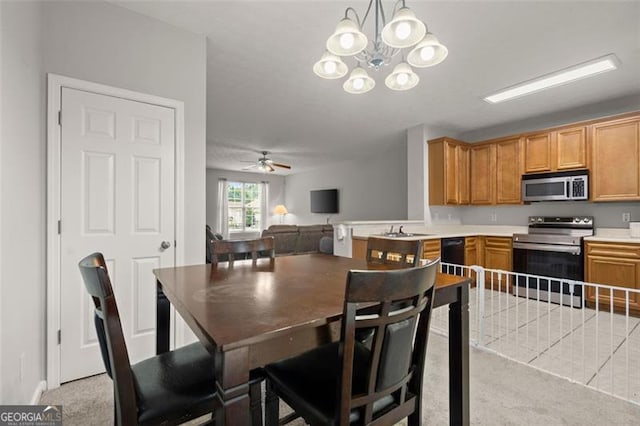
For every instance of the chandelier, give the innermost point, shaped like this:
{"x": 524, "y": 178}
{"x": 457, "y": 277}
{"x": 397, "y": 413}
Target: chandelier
{"x": 403, "y": 31}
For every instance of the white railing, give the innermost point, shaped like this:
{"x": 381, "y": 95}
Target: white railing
{"x": 595, "y": 344}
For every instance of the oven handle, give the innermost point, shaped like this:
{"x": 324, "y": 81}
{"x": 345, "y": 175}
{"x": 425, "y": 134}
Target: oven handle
{"x": 546, "y": 247}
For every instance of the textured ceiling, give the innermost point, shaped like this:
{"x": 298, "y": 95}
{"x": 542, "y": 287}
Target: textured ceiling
{"x": 263, "y": 95}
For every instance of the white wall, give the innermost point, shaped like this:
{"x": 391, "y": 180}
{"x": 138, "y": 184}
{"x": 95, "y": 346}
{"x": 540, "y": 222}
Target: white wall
{"x": 108, "y": 44}
{"x": 22, "y": 191}
{"x": 98, "y": 42}
{"x": 275, "y": 197}
{"x": 370, "y": 188}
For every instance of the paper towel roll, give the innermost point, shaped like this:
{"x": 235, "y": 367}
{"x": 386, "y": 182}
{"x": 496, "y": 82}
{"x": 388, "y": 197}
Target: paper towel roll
{"x": 634, "y": 229}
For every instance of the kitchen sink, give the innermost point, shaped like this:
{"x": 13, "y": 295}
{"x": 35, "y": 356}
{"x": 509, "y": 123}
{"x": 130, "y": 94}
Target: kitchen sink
{"x": 403, "y": 234}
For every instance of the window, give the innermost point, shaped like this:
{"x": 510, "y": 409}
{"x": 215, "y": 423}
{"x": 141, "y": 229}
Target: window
{"x": 244, "y": 201}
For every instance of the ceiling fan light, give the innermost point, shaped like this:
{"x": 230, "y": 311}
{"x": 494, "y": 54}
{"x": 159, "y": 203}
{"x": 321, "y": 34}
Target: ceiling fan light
{"x": 347, "y": 39}
{"x": 428, "y": 52}
{"x": 330, "y": 67}
{"x": 402, "y": 78}
{"x": 358, "y": 82}
{"x": 403, "y": 30}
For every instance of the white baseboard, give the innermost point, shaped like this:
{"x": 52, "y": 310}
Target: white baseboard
{"x": 37, "y": 393}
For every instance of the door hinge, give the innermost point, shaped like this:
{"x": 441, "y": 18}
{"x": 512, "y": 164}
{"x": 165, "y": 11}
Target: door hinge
{"x": 175, "y": 243}
{"x": 60, "y": 117}
{"x": 59, "y": 336}
{"x": 59, "y": 227}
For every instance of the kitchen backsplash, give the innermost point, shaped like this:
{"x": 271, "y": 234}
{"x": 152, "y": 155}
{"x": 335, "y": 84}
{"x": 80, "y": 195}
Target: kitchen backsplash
{"x": 607, "y": 215}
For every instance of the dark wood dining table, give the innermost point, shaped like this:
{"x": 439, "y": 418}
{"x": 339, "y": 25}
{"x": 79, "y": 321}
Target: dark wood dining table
{"x": 249, "y": 315}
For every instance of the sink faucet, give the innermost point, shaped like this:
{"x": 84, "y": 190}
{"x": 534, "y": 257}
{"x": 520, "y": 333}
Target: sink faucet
{"x": 391, "y": 230}
{"x": 400, "y": 230}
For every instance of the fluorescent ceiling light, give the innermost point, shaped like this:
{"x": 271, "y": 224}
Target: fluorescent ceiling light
{"x": 567, "y": 75}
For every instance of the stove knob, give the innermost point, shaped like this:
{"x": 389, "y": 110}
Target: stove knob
{"x": 576, "y": 220}
{"x": 539, "y": 219}
{"x": 585, "y": 220}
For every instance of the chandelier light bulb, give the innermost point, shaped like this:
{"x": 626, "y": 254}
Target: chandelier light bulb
{"x": 403, "y": 29}
{"x": 427, "y": 53}
{"x": 346, "y": 40}
{"x": 358, "y": 82}
{"x": 402, "y": 78}
{"x": 330, "y": 67}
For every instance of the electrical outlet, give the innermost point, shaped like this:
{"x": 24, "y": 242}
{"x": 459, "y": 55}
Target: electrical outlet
{"x": 626, "y": 217}
{"x": 449, "y": 217}
{"x": 494, "y": 217}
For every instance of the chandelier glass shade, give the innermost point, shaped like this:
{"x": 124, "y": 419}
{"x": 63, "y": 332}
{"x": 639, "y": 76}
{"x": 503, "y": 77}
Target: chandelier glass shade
{"x": 403, "y": 31}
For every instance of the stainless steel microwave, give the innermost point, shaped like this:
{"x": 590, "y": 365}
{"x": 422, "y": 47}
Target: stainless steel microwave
{"x": 558, "y": 186}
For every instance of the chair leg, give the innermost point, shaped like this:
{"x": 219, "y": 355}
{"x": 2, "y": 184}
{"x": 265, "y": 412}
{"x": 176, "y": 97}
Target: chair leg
{"x": 271, "y": 406}
{"x": 255, "y": 403}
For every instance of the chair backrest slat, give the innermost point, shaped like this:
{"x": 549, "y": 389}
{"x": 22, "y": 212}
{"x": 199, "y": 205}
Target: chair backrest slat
{"x": 394, "y": 251}
{"x": 242, "y": 249}
{"x": 400, "y": 316}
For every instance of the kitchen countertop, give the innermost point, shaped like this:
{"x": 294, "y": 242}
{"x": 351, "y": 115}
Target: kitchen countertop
{"x": 619, "y": 235}
{"x": 613, "y": 235}
{"x": 445, "y": 231}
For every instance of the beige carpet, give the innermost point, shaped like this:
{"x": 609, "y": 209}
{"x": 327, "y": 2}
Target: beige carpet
{"x": 502, "y": 393}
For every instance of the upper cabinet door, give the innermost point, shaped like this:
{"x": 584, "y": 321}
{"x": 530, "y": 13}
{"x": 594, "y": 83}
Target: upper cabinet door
{"x": 538, "y": 152}
{"x": 451, "y": 173}
{"x": 571, "y": 150}
{"x": 463, "y": 174}
{"x": 615, "y": 160}
{"x": 508, "y": 171}
{"x": 482, "y": 174}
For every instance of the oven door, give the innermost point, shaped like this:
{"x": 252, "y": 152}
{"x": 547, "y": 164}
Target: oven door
{"x": 555, "y": 261}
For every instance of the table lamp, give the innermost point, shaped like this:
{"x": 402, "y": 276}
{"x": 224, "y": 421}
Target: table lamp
{"x": 281, "y": 210}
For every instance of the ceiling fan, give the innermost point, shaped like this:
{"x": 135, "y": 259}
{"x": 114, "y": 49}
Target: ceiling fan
{"x": 266, "y": 164}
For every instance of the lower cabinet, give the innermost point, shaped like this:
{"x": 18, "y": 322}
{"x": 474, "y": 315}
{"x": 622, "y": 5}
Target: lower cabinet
{"x": 359, "y": 248}
{"x": 431, "y": 249}
{"x": 614, "y": 264}
{"x": 497, "y": 255}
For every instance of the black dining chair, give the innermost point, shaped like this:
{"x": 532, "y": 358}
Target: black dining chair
{"x": 166, "y": 389}
{"x": 393, "y": 251}
{"x": 232, "y": 250}
{"x": 347, "y": 382}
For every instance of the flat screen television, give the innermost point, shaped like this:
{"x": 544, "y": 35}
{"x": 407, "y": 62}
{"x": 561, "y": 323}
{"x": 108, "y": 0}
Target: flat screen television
{"x": 324, "y": 201}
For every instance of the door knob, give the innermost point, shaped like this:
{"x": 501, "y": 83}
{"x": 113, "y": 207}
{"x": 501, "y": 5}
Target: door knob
{"x": 165, "y": 245}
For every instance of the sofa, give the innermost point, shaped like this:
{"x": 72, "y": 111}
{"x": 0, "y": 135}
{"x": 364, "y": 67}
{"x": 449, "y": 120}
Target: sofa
{"x": 294, "y": 239}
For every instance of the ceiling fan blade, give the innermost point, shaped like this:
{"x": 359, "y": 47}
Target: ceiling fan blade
{"x": 253, "y": 166}
{"x": 284, "y": 166}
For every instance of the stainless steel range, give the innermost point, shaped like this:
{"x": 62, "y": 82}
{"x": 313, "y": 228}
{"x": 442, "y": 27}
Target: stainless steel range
{"x": 551, "y": 248}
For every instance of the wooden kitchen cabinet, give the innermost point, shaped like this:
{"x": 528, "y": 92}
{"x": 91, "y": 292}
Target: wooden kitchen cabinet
{"x": 359, "y": 248}
{"x": 497, "y": 255}
{"x": 615, "y": 160}
{"x": 538, "y": 152}
{"x": 471, "y": 251}
{"x": 561, "y": 149}
{"x": 448, "y": 172}
{"x": 571, "y": 148}
{"x": 482, "y": 173}
{"x": 614, "y": 264}
{"x": 508, "y": 171}
{"x": 431, "y": 249}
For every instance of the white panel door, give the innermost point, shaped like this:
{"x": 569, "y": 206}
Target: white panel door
{"x": 117, "y": 184}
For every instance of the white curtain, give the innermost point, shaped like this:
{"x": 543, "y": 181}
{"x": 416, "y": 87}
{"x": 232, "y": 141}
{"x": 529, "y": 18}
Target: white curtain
{"x": 223, "y": 209}
{"x": 264, "y": 203}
